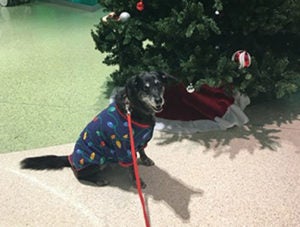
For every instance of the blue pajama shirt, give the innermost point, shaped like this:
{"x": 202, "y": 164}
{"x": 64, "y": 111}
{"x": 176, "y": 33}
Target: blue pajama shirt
{"x": 106, "y": 139}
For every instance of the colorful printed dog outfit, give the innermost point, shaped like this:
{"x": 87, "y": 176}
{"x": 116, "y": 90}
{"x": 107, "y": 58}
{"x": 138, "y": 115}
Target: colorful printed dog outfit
{"x": 106, "y": 139}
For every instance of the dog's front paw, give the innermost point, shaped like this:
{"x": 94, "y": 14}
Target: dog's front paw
{"x": 133, "y": 179}
{"x": 143, "y": 184}
{"x": 146, "y": 161}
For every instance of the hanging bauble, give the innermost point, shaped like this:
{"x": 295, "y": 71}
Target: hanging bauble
{"x": 140, "y": 6}
{"x": 124, "y": 16}
{"x": 243, "y": 58}
{"x": 190, "y": 88}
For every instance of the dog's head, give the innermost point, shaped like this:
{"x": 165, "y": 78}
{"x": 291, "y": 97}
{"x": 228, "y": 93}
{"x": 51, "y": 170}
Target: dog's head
{"x": 147, "y": 88}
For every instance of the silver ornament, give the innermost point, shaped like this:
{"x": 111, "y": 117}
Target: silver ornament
{"x": 190, "y": 88}
{"x": 124, "y": 16}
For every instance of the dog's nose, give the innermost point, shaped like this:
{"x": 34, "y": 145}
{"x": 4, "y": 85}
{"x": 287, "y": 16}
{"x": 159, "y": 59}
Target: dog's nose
{"x": 158, "y": 100}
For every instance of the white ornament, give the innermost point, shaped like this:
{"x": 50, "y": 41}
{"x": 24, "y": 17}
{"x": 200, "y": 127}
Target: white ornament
{"x": 217, "y": 12}
{"x": 124, "y": 16}
{"x": 190, "y": 88}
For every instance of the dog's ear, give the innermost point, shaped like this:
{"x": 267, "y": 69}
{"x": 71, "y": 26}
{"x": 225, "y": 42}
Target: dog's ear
{"x": 134, "y": 81}
{"x": 164, "y": 77}
{"x": 132, "y": 84}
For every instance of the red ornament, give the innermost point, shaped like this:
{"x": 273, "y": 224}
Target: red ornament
{"x": 243, "y": 58}
{"x": 140, "y": 6}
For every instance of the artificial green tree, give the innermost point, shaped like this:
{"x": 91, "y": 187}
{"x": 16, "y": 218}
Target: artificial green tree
{"x": 195, "y": 40}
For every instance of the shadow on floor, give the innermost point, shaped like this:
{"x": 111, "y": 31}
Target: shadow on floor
{"x": 267, "y": 120}
{"x": 161, "y": 187}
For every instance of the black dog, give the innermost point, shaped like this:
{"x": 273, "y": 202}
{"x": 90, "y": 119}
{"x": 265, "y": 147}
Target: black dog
{"x": 106, "y": 139}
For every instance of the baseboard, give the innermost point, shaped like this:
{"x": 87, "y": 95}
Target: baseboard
{"x": 91, "y": 8}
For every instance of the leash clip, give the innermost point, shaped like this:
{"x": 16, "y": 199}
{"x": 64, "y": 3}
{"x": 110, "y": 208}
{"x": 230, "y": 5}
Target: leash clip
{"x": 127, "y": 104}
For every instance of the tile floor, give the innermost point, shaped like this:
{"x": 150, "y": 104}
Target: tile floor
{"x": 52, "y": 78}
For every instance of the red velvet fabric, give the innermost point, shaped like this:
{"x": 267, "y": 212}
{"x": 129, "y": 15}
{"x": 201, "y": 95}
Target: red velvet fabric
{"x": 206, "y": 104}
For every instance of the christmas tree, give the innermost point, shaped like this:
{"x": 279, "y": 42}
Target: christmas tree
{"x": 195, "y": 41}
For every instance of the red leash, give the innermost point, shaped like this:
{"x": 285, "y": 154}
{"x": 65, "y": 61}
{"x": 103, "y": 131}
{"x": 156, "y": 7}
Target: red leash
{"x": 136, "y": 170}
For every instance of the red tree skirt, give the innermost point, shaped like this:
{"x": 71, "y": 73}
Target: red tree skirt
{"x": 208, "y": 109}
{"x": 206, "y": 104}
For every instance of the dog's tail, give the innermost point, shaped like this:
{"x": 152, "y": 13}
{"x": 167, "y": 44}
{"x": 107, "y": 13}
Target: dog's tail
{"x": 45, "y": 162}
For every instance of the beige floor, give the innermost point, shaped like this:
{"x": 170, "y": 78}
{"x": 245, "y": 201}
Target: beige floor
{"x": 241, "y": 177}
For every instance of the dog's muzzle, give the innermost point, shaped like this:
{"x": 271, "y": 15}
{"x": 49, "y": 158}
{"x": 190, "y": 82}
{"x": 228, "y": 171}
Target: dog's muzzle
{"x": 158, "y": 107}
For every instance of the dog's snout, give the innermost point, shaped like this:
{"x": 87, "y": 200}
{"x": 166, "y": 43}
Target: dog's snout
{"x": 158, "y": 100}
